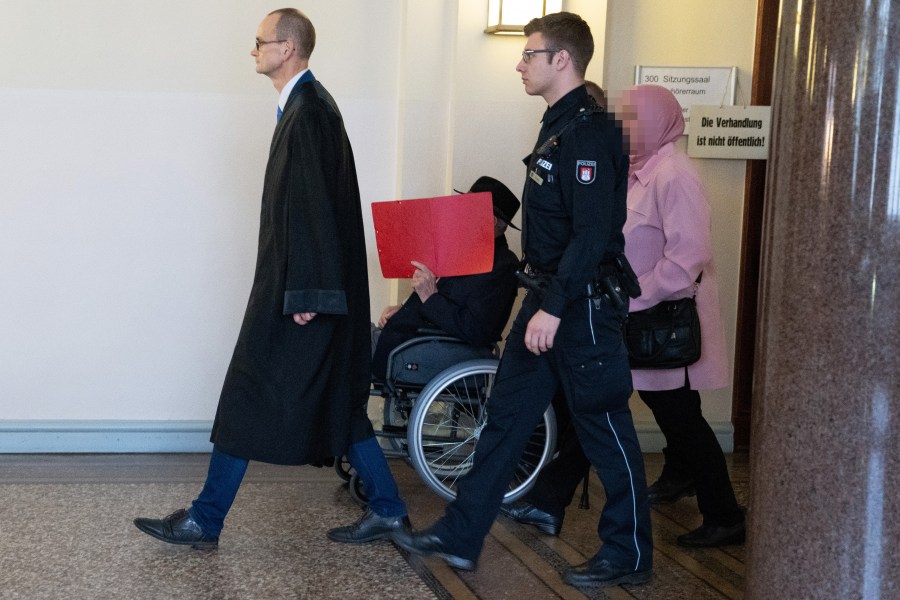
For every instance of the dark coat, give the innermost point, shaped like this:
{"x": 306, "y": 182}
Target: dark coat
{"x": 573, "y": 203}
{"x": 290, "y": 389}
{"x": 474, "y": 308}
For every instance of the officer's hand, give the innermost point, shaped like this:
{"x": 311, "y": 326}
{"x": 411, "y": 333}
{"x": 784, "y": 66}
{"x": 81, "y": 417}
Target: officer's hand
{"x": 540, "y": 332}
{"x": 304, "y": 318}
{"x": 387, "y": 313}
{"x": 423, "y": 281}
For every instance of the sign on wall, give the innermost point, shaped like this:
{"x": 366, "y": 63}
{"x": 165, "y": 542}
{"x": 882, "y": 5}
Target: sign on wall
{"x": 730, "y": 132}
{"x": 692, "y": 85}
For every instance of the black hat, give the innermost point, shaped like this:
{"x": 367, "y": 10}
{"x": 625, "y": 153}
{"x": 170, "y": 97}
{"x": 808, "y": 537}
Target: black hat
{"x": 506, "y": 205}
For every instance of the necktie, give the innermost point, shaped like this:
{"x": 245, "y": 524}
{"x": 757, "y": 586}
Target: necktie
{"x": 278, "y": 116}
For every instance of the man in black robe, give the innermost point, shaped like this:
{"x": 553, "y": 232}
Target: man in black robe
{"x": 297, "y": 386}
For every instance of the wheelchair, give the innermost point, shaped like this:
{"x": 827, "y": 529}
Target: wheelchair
{"x": 436, "y": 402}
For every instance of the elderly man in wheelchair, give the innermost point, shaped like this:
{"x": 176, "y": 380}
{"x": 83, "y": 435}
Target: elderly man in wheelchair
{"x": 434, "y": 358}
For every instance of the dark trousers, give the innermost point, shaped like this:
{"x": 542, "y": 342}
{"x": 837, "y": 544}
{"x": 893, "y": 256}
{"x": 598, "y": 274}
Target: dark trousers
{"x": 692, "y": 453}
{"x": 225, "y": 473}
{"x": 223, "y": 479}
{"x": 368, "y": 459}
{"x": 558, "y": 481}
{"x": 588, "y": 362}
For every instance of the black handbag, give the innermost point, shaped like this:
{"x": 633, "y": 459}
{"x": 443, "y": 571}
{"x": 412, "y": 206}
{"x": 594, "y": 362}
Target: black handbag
{"x": 665, "y": 336}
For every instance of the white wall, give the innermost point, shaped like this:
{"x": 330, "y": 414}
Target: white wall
{"x": 133, "y": 139}
{"x": 694, "y": 33}
{"x": 494, "y": 121}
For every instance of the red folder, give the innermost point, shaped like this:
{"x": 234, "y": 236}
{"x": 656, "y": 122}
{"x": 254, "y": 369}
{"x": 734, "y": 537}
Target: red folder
{"x": 451, "y": 235}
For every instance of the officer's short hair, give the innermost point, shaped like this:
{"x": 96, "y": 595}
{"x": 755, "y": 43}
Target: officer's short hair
{"x": 569, "y": 32}
{"x": 294, "y": 25}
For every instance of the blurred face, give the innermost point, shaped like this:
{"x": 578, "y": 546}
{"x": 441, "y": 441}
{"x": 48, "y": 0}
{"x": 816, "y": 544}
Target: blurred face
{"x": 627, "y": 114}
{"x": 537, "y": 69}
{"x": 651, "y": 117}
{"x": 270, "y": 54}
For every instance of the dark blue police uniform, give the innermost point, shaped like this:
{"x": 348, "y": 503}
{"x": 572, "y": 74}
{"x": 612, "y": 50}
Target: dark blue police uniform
{"x": 574, "y": 210}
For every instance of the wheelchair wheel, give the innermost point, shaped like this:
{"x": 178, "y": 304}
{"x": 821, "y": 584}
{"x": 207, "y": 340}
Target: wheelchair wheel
{"x": 357, "y": 491}
{"x": 343, "y": 468}
{"x": 446, "y": 421}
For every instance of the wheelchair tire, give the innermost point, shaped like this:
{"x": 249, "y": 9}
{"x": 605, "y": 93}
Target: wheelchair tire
{"x": 357, "y": 491}
{"x": 343, "y": 468}
{"x": 446, "y": 421}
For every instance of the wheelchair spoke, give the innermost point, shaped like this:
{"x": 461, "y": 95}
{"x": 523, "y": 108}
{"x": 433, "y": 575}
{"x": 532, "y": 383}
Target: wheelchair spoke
{"x": 448, "y": 446}
{"x": 446, "y": 422}
{"x": 444, "y": 459}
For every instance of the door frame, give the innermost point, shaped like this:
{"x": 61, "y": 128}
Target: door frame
{"x": 768, "y": 14}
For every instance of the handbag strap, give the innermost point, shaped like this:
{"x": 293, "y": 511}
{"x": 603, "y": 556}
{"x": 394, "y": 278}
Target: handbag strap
{"x": 697, "y": 284}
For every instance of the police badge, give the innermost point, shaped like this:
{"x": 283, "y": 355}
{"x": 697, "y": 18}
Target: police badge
{"x": 585, "y": 171}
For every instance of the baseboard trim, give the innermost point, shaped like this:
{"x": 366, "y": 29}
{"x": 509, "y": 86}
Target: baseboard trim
{"x": 103, "y": 436}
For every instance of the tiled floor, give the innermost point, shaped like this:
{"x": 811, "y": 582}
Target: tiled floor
{"x": 65, "y": 532}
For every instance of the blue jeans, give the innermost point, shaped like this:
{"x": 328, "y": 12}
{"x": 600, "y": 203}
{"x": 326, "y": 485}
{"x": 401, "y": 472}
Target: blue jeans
{"x": 368, "y": 460}
{"x": 222, "y": 482}
{"x": 226, "y": 472}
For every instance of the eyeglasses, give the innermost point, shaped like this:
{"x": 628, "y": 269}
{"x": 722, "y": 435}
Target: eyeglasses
{"x": 526, "y": 54}
{"x": 262, "y": 43}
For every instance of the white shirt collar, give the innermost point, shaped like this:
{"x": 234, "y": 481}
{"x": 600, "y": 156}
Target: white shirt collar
{"x": 286, "y": 92}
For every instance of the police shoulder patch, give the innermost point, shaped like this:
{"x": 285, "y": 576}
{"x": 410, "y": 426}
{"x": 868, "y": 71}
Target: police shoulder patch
{"x": 585, "y": 171}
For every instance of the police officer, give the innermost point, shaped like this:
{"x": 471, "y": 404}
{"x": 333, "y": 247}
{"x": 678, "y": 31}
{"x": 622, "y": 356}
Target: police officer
{"x": 569, "y": 334}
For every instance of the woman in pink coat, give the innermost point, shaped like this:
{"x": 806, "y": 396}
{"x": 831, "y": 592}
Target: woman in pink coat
{"x": 668, "y": 244}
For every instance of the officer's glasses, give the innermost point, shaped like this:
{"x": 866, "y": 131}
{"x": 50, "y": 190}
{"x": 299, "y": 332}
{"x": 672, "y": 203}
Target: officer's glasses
{"x": 526, "y": 54}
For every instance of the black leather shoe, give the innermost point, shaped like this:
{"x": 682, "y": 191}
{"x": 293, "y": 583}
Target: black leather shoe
{"x": 529, "y": 514}
{"x": 600, "y": 573}
{"x": 667, "y": 491}
{"x": 425, "y": 543}
{"x": 177, "y": 528}
{"x": 368, "y": 528}
{"x": 713, "y": 536}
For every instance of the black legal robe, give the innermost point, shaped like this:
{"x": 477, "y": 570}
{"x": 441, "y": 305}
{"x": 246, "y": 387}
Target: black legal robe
{"x": 296, "y": 394}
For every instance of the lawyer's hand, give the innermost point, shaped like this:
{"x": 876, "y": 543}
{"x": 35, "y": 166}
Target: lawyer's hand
{"x": 304, "y": 318}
